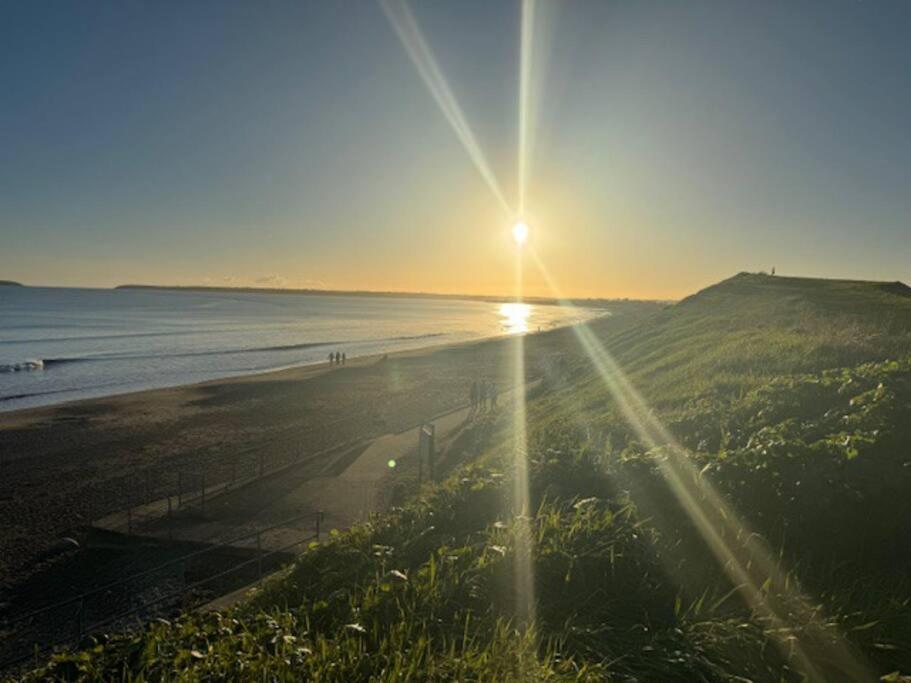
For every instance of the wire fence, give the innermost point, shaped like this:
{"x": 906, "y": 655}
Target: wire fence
{"x": 180, "y": 583}
{"x": 153, "y": 500}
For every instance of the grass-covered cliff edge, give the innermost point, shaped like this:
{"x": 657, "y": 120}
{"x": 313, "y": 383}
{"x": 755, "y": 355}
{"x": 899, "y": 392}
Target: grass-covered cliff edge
{"x": 733, "y": 506}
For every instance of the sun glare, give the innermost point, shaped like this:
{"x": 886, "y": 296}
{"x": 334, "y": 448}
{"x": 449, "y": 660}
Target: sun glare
{"x": 520, "y": 233}
{"x": 514, "y": 317}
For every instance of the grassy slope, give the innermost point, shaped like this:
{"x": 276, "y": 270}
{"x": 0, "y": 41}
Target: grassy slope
{"x": 793, "y": 397}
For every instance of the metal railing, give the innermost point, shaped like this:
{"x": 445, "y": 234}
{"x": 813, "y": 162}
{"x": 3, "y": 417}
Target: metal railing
{"x": 140, "y": 597}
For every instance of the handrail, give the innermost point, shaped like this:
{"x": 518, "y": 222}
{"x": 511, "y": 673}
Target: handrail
{"x": 147, "y": 572}
{"x": 174, "y": 594}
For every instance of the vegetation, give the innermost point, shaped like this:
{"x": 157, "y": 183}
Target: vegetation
{"x": 788, "y": 398}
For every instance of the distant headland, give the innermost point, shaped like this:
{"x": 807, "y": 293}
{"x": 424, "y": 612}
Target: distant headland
{"x": 594, "y": 303}
{"x": 10, "y": 283}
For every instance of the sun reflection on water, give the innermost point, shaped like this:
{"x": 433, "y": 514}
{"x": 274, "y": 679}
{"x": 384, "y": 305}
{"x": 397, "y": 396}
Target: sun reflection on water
{"x": 514, "y": 317}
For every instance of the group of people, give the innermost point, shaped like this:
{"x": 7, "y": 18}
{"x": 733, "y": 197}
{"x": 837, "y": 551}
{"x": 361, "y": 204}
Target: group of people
{"x": 336, "y": 358}
{"x": 483, "y": 394}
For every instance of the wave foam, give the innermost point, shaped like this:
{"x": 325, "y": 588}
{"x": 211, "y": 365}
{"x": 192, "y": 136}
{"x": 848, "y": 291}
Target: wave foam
{"x": 24, "y": 366}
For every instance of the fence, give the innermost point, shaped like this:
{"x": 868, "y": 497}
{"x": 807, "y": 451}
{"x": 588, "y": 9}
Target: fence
{"x": 157, "y": 496}
{"x": 180, "y": 583}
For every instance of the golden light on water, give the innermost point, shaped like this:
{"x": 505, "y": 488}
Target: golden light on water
{"x": 514, "y": 317}
{"x": 520, "y": 233}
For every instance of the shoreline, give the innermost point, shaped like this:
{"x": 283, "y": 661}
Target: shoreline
{"x": 596, "y": 315}
{"x": 64, "y": 465}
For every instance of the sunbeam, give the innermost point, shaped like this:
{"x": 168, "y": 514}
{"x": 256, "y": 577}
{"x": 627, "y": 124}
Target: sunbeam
{"x": 742, "y": 554}
{"x": 525, "y": 63}
{"x": 409, "y": 33}
{"x": 524, "y": 538}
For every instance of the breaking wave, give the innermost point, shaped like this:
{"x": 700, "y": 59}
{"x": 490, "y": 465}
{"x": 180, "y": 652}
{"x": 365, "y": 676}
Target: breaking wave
{"x": 24, "y": 366}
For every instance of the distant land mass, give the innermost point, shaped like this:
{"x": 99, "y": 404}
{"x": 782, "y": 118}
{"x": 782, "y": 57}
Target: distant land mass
{"x": 10, "y": 283}
{"x": 592, "y": 303}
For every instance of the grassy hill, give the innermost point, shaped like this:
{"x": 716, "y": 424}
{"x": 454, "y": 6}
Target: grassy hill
{"x": 718, "y": 492}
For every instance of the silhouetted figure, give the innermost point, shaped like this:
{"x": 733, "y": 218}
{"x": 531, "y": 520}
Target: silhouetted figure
{"x": 773, "y": 270}
{"x": 331, "y": 358}
{"x": 344, "y": 358}
{"x": 473, "y": 394}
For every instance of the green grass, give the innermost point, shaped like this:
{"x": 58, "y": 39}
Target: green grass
{"x": 793, "y": 400}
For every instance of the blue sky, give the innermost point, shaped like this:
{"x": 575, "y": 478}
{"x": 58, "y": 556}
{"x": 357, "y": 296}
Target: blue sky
{"x": 293, "y": 143}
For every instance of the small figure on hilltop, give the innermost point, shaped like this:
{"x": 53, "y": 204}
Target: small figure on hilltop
{"x": 773, "y": 270}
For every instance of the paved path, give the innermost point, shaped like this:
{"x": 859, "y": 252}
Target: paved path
{"x": 347, "y": 485}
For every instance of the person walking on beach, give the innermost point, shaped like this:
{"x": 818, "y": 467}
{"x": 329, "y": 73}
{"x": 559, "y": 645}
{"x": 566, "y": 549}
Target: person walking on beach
{"x": 344, "y": 358}
{"x": 331, "y": 357}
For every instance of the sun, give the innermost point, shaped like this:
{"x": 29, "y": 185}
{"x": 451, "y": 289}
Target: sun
{"x": 520, "y": 233}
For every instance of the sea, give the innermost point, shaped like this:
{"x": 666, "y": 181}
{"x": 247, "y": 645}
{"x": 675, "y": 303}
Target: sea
{"x": 63, "y": 344}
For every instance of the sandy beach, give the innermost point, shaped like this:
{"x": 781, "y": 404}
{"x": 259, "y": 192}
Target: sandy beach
{"x": 64, "y": 466}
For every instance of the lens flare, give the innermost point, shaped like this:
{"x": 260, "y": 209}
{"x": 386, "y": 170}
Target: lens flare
{"x": 742, "y": 554}
{"x": 412, "y": 39}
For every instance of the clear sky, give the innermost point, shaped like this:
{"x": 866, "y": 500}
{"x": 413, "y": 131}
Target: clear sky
{"x": 294, "y": 144}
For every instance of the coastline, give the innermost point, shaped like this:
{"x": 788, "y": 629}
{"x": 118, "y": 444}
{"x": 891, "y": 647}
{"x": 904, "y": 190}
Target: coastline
{"x": 61, "y": 466}
{"x": 92, "y": 393}
{"x": 64, "y": 465}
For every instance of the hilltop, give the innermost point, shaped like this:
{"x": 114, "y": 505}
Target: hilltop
{"x": 10, "y": 283}
{"x": 717, "y": 492}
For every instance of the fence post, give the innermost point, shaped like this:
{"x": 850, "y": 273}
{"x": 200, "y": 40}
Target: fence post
{"x": 432, "y": 453}
{"x": 80, "y": 621}
{"x": 259, "y": 557}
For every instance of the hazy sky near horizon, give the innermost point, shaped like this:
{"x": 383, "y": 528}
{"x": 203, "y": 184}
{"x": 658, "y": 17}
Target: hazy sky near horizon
{"x": 294, "y": 144}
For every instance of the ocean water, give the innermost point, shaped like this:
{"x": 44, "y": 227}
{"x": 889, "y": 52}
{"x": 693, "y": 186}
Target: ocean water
{"x": 59, "y": 344}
